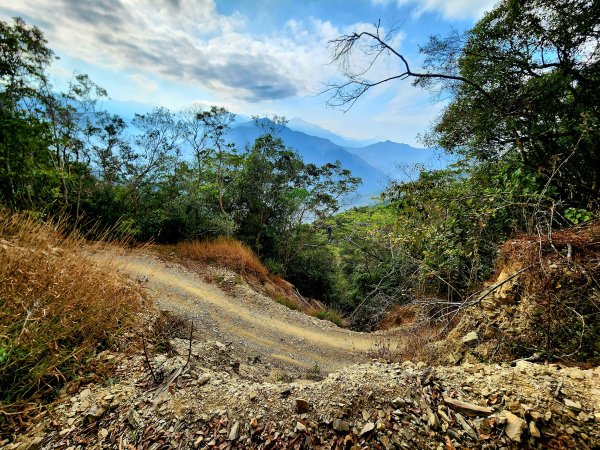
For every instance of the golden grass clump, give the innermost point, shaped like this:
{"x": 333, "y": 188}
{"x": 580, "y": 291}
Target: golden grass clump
{"x": 226, "y": 252}
{"x": 57, "y": 307}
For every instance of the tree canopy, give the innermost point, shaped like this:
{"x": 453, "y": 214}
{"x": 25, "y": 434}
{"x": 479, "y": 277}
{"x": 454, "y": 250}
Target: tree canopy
{"x": 525, "y": 80}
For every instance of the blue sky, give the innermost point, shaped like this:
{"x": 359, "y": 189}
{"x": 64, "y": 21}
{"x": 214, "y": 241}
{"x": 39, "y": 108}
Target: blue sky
{"x": 251, "y": 56}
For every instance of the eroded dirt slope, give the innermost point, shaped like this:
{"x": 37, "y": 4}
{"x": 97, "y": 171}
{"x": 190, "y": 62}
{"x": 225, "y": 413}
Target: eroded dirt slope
{"x": 248, "y": 322}
{"x": 218, "y": 392}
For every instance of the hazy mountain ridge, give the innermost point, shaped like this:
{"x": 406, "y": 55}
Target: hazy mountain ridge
{"x": 315, "y": 130}
{"x": 398, "y": 160}
{"x": 376, "y": 163}
{"x": 318, "y": 151}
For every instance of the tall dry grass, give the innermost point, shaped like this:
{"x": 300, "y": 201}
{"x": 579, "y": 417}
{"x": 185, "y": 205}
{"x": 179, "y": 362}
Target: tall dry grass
{"x": 227, "y": 252}
{"x": 57, "y": 307}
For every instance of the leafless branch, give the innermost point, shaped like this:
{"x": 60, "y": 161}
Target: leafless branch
{"x": 373, "y": 45}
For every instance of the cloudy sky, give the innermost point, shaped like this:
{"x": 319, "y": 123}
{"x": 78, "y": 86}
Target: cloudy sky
{"x": 251, "y": 56}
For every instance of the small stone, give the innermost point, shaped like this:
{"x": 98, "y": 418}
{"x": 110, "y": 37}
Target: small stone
{"x": 203, "y": 380}
{"x": 102, "y": 433}
{"x": 300, "y": 427}
{"x": 302, "y": 406}
{"x": 432, "y": 419}
{"x": 85, "y": 393}
{"x": 365, "y": 414}
{"x": 514, "y": 425}
{"x": 398, "y": 402}
{"x": 573, "y": 406}
{"x": 134, "y": 419}
{"x": 340, "y": 425}
{"x": 470, "y": 337}
{"x": 533, "y": 430}
{"x": 369, "y": 426}
{"x": 386, "y": 442}
{"x": 94, "y": 413}
{"x": 234, "y": 433}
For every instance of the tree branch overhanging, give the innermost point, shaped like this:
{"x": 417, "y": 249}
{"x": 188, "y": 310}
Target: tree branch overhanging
{"x": 355, "y": 84}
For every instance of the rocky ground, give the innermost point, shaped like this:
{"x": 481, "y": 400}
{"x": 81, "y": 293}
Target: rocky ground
{"x": 258, "y": 375}
{"x": 212, "y": 402}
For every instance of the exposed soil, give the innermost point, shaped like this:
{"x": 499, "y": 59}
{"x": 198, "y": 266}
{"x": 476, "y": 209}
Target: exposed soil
{"x": 248, "y": 322}
{"x": 254, "y": 376}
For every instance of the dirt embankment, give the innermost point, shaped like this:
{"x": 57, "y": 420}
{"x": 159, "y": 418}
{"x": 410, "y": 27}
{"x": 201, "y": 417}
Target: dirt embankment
{"x": 253, "y": 325}
{"x": 255, "y": 376}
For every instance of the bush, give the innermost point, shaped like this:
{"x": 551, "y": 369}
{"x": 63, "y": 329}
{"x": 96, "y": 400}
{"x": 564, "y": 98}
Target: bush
{"x": 315, "y": 272}
{"x": 226, "y": 252}
{"x": 285, "y": 301}
{"x": 57, "y": 307}
{"x": 330, "y": 315}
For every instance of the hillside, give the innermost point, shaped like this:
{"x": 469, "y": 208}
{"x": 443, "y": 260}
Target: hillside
{"x": 289, "y": 381}
{"x": 318, "y": 151}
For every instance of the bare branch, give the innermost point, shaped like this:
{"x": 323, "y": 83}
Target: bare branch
{"x": 344, "y": 94}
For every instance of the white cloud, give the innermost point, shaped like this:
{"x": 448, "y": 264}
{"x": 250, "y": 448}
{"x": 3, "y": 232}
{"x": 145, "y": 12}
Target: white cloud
{"x": 144, "y": 82}
{"x": 450, "y": 9}
{"x": 185, "y": 40}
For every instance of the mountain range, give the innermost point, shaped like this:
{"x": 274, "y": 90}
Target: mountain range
{"x": 376, "y": 163}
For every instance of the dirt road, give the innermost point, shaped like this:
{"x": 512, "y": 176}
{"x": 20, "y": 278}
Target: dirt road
{"x": 250, "y": 323}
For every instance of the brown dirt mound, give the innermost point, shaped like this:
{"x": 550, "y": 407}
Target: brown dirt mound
{"x": 544, "y": 302}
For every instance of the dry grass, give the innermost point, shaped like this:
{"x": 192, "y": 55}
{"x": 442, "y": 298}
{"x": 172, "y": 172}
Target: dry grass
{"x": 287, "y": 287}
{"x": 57, "y": 307}
{"x": 399, "y": 315}
{"x": 226, "y": 252}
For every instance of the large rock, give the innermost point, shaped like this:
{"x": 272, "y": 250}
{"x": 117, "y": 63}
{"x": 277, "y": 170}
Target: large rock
{"x": 340, "y": 425}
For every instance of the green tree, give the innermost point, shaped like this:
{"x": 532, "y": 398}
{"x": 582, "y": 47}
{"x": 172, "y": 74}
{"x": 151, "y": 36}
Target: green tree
{"x": 25, "y": 165}
{"x": 267, "y": 193}
{"x": 524, "y": 80}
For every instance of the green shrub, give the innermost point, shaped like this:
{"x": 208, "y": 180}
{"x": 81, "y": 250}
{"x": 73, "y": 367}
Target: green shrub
{"x": 330, "y": 315}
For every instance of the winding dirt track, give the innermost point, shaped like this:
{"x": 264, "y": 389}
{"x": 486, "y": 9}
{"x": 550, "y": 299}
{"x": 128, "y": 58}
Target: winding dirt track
{"x": 249, "y": 322}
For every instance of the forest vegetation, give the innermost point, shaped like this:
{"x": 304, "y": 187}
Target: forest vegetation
{"x": 523, "y": 89}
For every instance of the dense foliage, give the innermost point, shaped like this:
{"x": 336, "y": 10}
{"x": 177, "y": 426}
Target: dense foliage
{"x": 522, "y": 86}
{"x": 533, "y": 71}
{"x": 165, "y": 176}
